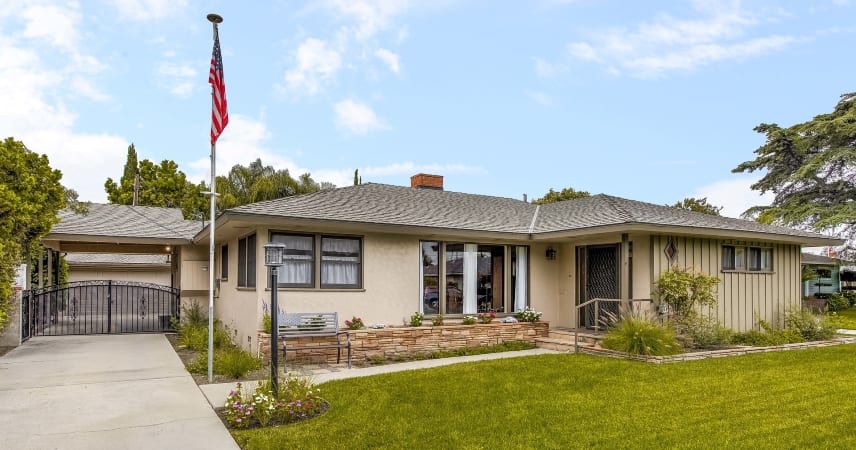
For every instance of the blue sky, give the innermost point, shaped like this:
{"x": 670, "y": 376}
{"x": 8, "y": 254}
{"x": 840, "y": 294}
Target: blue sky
{"x": 652, "y": 101}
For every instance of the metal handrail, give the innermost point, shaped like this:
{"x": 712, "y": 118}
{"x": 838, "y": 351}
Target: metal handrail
{"x": 596, "y": 302}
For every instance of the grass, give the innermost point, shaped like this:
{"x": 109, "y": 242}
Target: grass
{"x": 772, "y": 400}
{"x": 845, "y": 319}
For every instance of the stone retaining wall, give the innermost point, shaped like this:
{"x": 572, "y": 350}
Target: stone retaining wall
{"x": 397, "y": 343}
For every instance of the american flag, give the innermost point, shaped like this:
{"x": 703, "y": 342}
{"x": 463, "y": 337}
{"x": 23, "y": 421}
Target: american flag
{"x": 219, "y": 113}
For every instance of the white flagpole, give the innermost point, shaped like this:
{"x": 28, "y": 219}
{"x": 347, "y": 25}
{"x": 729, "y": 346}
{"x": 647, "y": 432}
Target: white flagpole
{"x": 214, "y": 19}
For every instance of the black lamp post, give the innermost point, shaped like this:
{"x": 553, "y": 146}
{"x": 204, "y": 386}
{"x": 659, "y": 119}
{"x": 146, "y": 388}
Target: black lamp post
{"x": 273, "y": 259}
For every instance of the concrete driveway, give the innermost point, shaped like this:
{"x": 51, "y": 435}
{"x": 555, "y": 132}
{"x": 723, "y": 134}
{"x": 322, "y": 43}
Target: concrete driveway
{"x": 103, "y": 392}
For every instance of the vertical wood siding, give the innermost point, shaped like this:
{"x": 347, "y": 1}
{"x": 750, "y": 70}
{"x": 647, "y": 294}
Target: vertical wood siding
{"x": 742, "y": 297}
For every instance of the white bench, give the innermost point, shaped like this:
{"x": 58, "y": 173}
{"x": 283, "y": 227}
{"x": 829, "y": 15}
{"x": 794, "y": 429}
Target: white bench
{"x": 297, "y": 325}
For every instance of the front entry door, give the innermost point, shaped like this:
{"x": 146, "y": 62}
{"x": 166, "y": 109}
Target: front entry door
{"x": 598, "y": 277}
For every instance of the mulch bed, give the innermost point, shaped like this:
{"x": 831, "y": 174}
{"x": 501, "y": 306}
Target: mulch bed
{"x": 221, "y": 413}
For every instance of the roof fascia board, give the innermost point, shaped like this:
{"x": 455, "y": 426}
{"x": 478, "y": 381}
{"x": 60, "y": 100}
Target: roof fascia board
{"x": 87, "y": 238}
{"x": 688, "y": 231}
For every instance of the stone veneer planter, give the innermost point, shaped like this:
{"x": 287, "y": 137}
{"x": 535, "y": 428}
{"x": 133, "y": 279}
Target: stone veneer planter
{"x": 405, "y": 342}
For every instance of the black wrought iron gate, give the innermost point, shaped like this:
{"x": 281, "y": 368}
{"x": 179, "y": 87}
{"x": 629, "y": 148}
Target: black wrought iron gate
{"x": 99, "y": 307}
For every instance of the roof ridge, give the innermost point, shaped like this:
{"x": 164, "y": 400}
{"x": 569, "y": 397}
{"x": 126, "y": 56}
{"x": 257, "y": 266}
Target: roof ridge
{"x": 534, "y": 219}
{"x": 613, "y": 202}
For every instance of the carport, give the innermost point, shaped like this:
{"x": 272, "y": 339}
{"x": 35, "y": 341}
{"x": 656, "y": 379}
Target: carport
{"x": 107, "y": 306}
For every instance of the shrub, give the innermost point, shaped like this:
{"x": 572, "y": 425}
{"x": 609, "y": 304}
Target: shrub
{"x": 810, "y": 326}
{"x": 195, "y": 337}
{"x": 267, "y": 321}
{"x": 231, "y": 362}
{"x": 850, "y": 296}
{"x": 355, "y": 323}
{"x": 638, "y": 333}
{"x": 486, "y": 317}
{"x": 528, "y": 315}
{"x": 683, "y": 291}
{"x": 437, "y": 320}
{"x": 706, "y": 332}
{"x": 469, "y": 320}
{"x": 416, "y": 319}
{"x": 192, "y": 315}
{"x": 837, "y": 302}
{"x": 767, "y": 336}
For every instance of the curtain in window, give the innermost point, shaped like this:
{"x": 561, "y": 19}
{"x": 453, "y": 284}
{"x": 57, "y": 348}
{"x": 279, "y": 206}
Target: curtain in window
{"x": 297, "y": 261}
{"x": 521, "y": 277}
{"x": 340, "y": 261}
{"x": 470, "y": 278}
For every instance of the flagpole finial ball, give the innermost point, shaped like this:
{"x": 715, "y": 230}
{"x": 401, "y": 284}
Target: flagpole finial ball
{"x": 214, "y": 18}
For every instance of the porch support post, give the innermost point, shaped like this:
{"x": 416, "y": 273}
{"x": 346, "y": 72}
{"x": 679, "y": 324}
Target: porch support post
{"x": 40, "y": 267}
{"x": 50, "y": 267}
{"x": 624, "y": 274}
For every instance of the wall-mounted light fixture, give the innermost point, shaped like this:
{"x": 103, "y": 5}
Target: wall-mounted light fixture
{"x": 551, "y": 253}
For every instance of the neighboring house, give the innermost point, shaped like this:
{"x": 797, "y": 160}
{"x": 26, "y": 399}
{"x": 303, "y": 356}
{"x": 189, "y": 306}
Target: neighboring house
{"x": 825, "y": 270}
{"x": 383, "y": 252}
{"x": 155, "y": 269}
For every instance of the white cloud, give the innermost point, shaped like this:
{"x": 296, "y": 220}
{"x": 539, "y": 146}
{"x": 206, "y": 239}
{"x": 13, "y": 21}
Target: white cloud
{"x": 57, "y": 26}
{"x": 734, "y": 195}
{"x": 540, "y": 98}
{"x": 148, "y": 9}
{"x": 389, "y": 58}
{"x": 357, "y": 118}
{"x": 721, "y": 32}
{"x": 86, "y": 89}
{"x": 370, "y": 16}
{"x": 546, "y": 69}
{"x": 246, "y": 139}
{"x": 581, "y": 50}
{"x": 178, "y": 78}
{"x": 316, "y": 65}
{"x": 37, "y": 66}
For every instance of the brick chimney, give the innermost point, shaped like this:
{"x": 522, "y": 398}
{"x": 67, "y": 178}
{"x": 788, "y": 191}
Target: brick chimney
{"x": 426, "y": 181}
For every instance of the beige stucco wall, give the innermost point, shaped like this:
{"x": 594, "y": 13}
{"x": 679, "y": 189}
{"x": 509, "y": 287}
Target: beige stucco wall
{"x": 742, "y": 297}
{"x": 159, "y": 275}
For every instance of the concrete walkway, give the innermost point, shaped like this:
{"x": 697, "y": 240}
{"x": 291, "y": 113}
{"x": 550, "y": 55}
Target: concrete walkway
{"x": 216, "y": 393}
{"x": 103, "y": 392}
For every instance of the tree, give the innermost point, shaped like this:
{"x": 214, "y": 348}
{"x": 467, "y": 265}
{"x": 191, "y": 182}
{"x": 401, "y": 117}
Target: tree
{"x": 565, "y": 194}
{"x": 123, "y": 193}
{"x": 698, "y": 205}
{"x": 157, "y": 185}
{"x": 30, "y": 197}
{"x": 811, "y": 169}
{"x": 257, "y": 182}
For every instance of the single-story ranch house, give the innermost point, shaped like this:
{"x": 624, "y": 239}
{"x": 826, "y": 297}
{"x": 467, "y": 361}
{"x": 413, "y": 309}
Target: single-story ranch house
{"x": 383, "y": 252}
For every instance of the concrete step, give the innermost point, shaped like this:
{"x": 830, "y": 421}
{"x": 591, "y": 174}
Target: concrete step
{"x": 589, "y": 337}
{"x": 561, "y": 345}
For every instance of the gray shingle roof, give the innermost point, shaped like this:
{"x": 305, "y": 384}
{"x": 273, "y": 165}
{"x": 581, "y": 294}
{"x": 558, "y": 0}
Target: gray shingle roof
{"x": 811, "y": 258}
{"x": 373, "y": 203}
{"x": 396, "y": 205}
{"x": 117, "y": 259}
{"x": 127, "y": 221}
{"x": 601, "y": 209}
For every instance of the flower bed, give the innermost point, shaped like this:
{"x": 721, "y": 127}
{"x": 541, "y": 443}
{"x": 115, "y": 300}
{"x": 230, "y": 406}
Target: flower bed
{"x": 396, "y": 343}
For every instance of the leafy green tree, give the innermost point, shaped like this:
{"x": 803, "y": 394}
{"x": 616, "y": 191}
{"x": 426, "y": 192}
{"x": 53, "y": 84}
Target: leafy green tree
{"x": 565, "y": 194}
{"x": 811, "y": 169}
{"x": 30, "y": 197}
{"x": 698, "y": 205}
{"x": 158, "y": 185}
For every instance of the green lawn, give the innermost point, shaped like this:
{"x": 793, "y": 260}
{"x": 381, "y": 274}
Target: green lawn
{"x": 846, "y": 319}
{"x": 795, "y": 399}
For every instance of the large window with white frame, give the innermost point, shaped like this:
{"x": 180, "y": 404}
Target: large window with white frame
{"x": 469, "y": 278}
{"x": 339, "y": 266}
